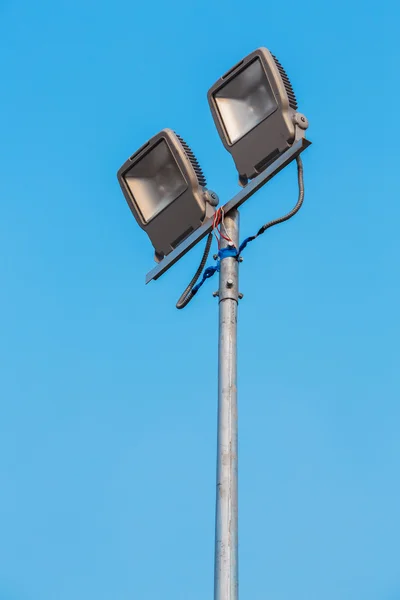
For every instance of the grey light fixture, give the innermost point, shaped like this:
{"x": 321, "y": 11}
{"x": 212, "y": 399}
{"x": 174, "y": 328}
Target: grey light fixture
{"x": 166, "y": 191}
{"x": 255, "y": 111}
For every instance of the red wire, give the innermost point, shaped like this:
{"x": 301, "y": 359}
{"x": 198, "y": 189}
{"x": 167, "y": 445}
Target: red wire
{"x": 228, "y": 239}
{"x": 218, "y": 220}
{"x": 222, "y": 219}
{"x": 216, "y": 215}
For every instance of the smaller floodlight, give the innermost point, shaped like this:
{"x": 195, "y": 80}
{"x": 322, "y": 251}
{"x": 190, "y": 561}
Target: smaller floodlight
{"x": 166, "y": 191}
{"x": 255, "y": 110}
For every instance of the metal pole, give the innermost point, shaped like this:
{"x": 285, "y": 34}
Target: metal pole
{"x": 226, "y": 528}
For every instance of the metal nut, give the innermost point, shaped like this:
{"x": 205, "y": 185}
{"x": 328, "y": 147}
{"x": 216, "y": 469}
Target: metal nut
{"x": 229, "y": 283}
{"x": 211, "y": 198}
{"x": 301, "y": 120}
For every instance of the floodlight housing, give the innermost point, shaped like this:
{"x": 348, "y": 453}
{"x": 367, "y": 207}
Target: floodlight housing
{"x": 255, "y": 111}
{"x": 165, "y": 189}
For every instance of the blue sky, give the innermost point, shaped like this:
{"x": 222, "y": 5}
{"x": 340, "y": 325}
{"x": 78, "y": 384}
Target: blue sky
{"x": 108, "y": 393}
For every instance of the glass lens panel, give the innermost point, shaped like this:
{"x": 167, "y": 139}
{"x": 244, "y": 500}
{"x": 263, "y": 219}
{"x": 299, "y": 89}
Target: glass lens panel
{"x": 245, "y": 101}
{"x": 155, "y": 181}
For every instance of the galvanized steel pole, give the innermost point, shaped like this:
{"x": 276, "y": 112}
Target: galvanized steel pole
{"x": 226, "y": 529}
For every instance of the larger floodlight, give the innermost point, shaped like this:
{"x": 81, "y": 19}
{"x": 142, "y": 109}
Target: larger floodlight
{"x": 255, "y": 111}
{"x": 166, "y": 191}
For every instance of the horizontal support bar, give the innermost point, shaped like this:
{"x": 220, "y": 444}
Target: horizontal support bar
{"x": 244, "y": 194}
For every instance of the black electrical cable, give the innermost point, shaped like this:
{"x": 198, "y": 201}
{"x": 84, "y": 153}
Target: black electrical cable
{"x": 289, "y": 215}
{"x": 187, "y": 294}
{"x": 299, "y": 203}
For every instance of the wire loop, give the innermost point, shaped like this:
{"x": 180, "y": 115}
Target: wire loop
{"x": 231, "y": 250}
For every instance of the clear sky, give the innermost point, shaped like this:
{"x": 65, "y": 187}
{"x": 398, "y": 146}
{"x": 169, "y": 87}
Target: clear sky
{"x": 108, "y": 393}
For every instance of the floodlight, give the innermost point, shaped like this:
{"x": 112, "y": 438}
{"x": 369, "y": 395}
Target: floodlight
{"x": 166, "y": 191}
{"x": 255, "y": 111}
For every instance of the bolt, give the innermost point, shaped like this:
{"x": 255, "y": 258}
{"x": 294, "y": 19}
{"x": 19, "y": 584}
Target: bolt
{"x": 229, "y": 283}
{"x": 240, "y": 258}
{"x": 230, "y": 244}
{"x": 215, "y": 294}
{"x": 240, "y": 295}
{"x": 214, "y": 195}
{"x": 303, "y": 119}
{"x": 215, "y": 256}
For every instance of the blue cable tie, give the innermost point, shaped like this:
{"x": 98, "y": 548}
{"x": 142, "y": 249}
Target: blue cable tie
{"x": 209, "y": 272}
{"x": 244, "y": 244}
{"x": 229, "y": 251}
